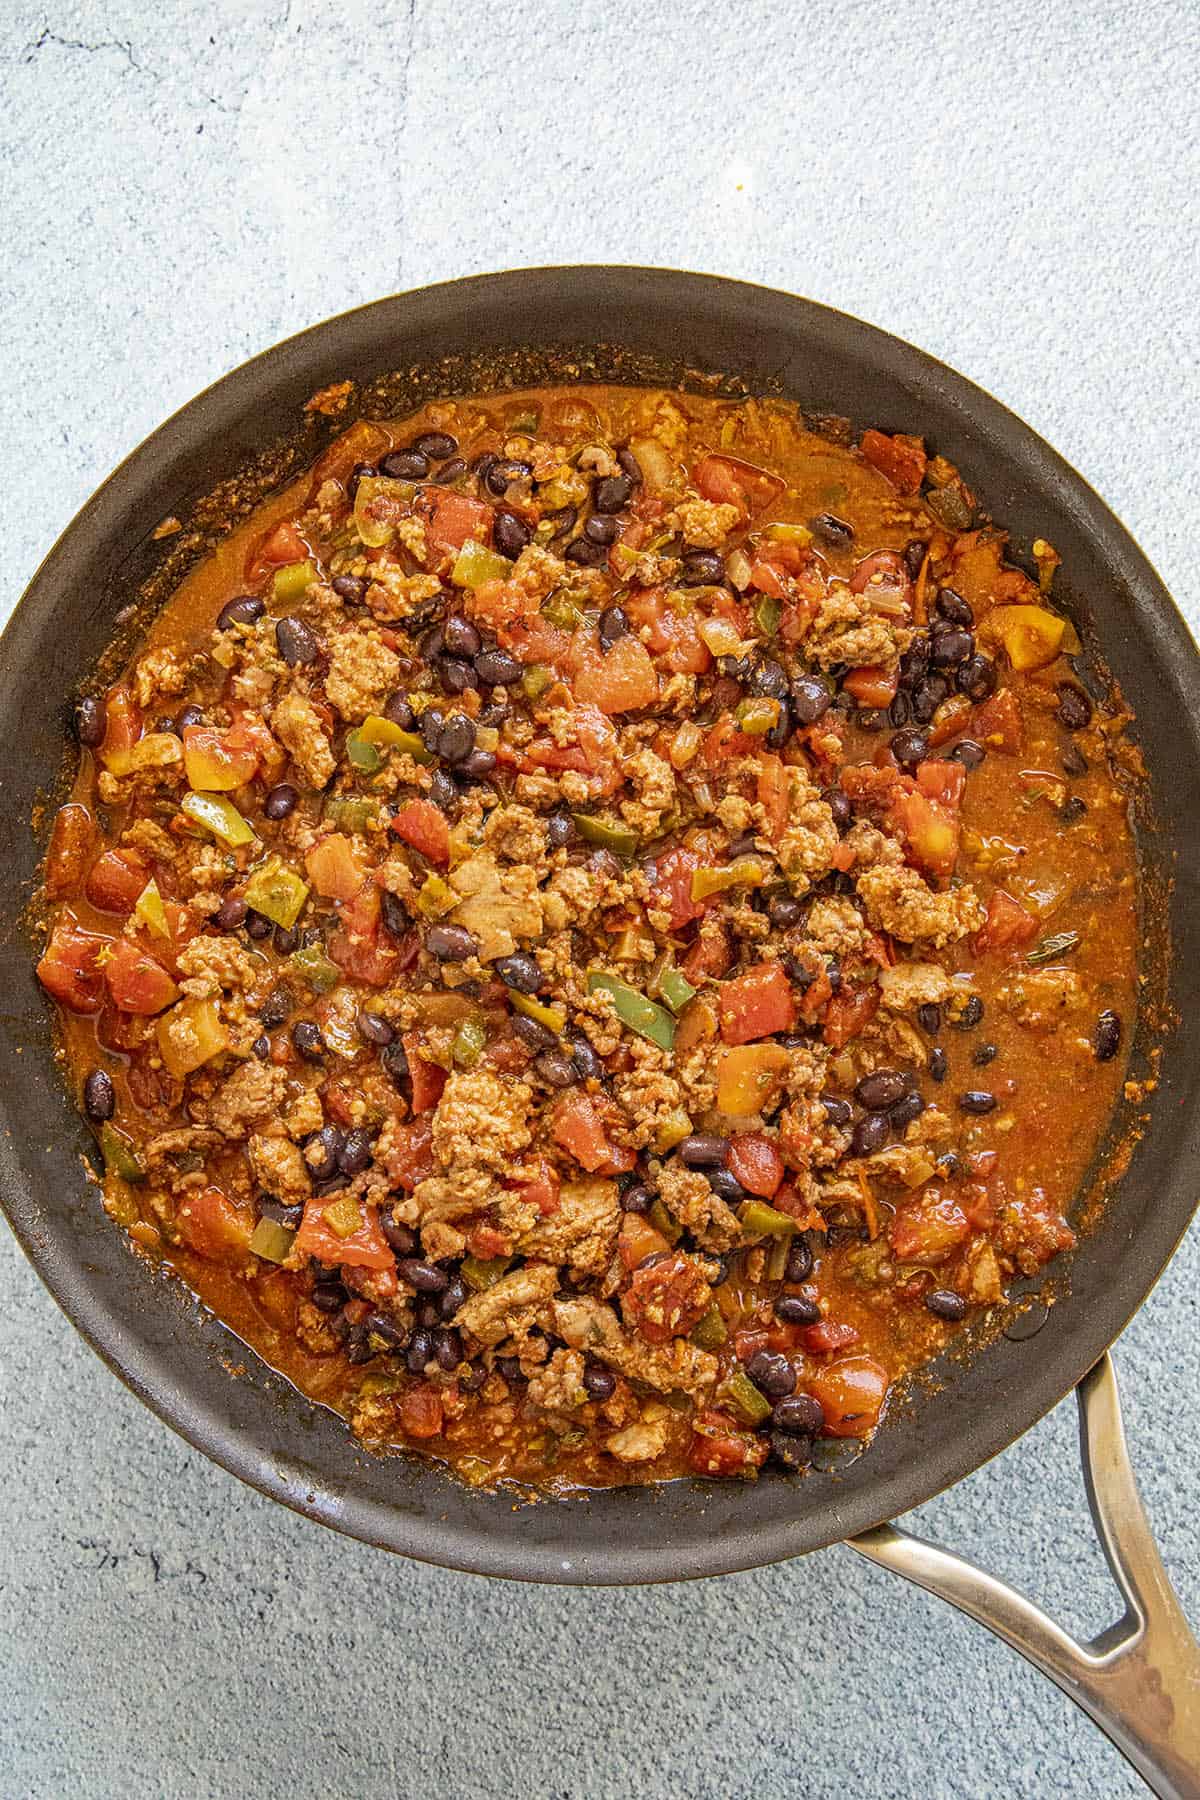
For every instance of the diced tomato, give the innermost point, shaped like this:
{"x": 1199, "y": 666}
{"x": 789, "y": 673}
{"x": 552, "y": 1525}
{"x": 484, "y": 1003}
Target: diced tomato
{"x": 335, "y": 868}
{"x": 748, "y": 1343}
{"x": 788, "y": 1201}
{"x": 728, "y": 480}
{"x": 115, "y": 880}
{"x": 1034, "y": 1228}
{"x": 930, "y": 831}
{"x": 427, "y": 1078}
{"x": 883, "y": 576}
{"x": 719, "y": 1448}
{"x": 486, "y": 1242}
{"x": 757, "y": 1004}
{"x": 542, "y": 1190}
{"x": 450, "y": 519}
{"x": 772, "y": 792}
{"x": 282, "y": 544}
{"x": 618, "y": 680}
{"x": 578, "y": 1124}
{"x": 928, "y": 1228}
{"x": 136, "y": 980}
{"x": 638, "y": 1239}
{"x": 422, "y": 825}
{"x": 673, "y": 636}
{"x": 1007, "y": 925}
{"x": 901, "y": 458}
{"x": 421, "y": 1411}
{"x": 665, "y": 1300}
{"x": 850, "y": 1393}
{"x": 672, "y": 886}
{"x": 998, "y": 724}
{"x": 871, "y": 687}
{"x": 848, "y": 1013}
{"x": 711, "y": 954}
{"x": 829, "y": 1335}
{"x": 726, "y": 740}
{"x": 71, "y": 838}
{"x": 942, "y": 781}
{"x": 978, "y": 1204}
{"x": 411, "y": 1158}
{"x": 212, "y": 1226}
{"x": 815, "y": 999}
{"x": 218, "y": 761}
{"x": 362, "y": 949}
{"x": 756, "y": 1163}
{"x": 366, "y": 1248}
{"x": 71, "y": 970}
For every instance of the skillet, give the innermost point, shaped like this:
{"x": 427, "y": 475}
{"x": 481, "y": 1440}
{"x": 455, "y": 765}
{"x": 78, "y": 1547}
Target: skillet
{"x": 1141, "y": 1679}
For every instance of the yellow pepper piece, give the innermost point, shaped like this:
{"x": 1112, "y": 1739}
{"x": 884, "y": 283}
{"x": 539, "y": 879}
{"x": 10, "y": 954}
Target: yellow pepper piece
{"x": 554, "y": 1018}
{"x": 218, "y": 815}
{"x": 277, "y": 892}
{"x": 344, "y": 1216}
{"x": 746, "y": 871}
{"x": 150, "y": 911}
{"x": 293, "y": 581}
{"x": 189, "y": 1035}
{"x": 749, "y": 1077}
{"x": 1031, "y": 635}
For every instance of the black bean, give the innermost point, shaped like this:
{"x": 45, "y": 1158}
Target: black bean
{"x": 395, "y": 1061}
{"x": 261, "y": 1047}
{"x": 401, "y": 1238}
{"x": 725, "y": 1186}
{"x": 612, "y": 493}
{"x": 928, "y": 696}
{"x": 587, "y": 1063}
{"x": 404, "y": 465}
{"x": 268, "y": 1207}
{"x": 279, "y": 1005}
{"x": 482, "y": 467}
{"x": 455, "y": 675}
{"x": 286, "y": 939}
{"x": 871, "y": 718}
{"x": 613, "y": 626}
{"x": 586, "y": 554}
{"x": 427, "y": 1311}
{"x": 426, "y": 1277}
{"x": 769, "y": 680}
{"x": 496, "y": 668}
{"x": 436, "y": 445}
{"x": 243, "y": 609}
{"x": 631, "y": 466}
{"x": 329, "y": 1296}
{"x": 1072, "y": 810}
{"x": 560, "y": 829}
{"x": 929, "y": 1018}
{"x": 1108, "y": 1036}
{"x": 702, "y": 568}
{"x": 881, "y": 1089}
{"x": 906, "y": 1110}
{"x": 599, "y": 1383}
{"x": 532, "y": 1033}
{"x": 321, "y": 1152}
{"x": 914, "y": 664}
{"x": 969, "y": 1014}
{"x": 838, "y": 1111}
{"x": 910, "y": 746}
{"x": 399, "y": 712}
{"x": 355, "y": 1152}
{"x": 838, "y": 802}
{"x": 952, "y": 606}
{"x": 99, "y": 1096}
{"x": 1074, "y": 709}
{"x": 781, "y": 730}
{"x": 419, "y": 1352}
{"x": 704, "y": 1150}
{"x": 557, "y": 1068}
{"x": 450, "y": 471}
{"x": 520, "y": 971}
{"x": 461, "y": 637}
{"x": 968, "y": 753}
{"x": 429, "y": 727}
{"x": 1073, "y": 761}
{"x": 870, "y": 1134}
{"x": 938, "y": 1064}
{"x": 373, "y": 1028}
{"x": 830, "y": 529}
{"x": 562, "y": 521}
{"x": 350, "y": 588}
{"x": 297, "y": 643}
{"x": 799, "y": 1260}
{"x": 915, "y": 552}
{"x": 391, "y": 911}
{"x": 188, "y": 715}
{"x": 943, "y": 1303}
{"x": 771, "y": 1373}
{"x": 504, "y": 472}
{"x": 637, "y": 1199}
{"x": 983, "y": 1054}
{"x": 307, "y": 1039}
{"x": 282, "y": 800}
{"x": 472, "y": 1378}
{"x": 510, "y": 1368}
{"x": 456, "y": 739}
{"x": 360, "y": 472}
{"x": 453, "y": 1296}
{"x": 900, "y": 711}
{"x": 258, "y": 926}
{"x": 791, "y": 1452}
{"x": 976, "y": 1100}
{"x": 797, "y": 1309}
{"x": 977, "y": 678}
{"x": 378, "y": 1325}
{"x": 600, "y": 528}
{"x": 951, "y": 647}
{"x": 784, "y": 911}
{"x": 447, "y": 1349}
{"x": 451, "y": 943}
{"x": 442, "y": 790}
{"x": 91, "y": 721}
{"x": 510, "y": 534}
{"x": 230, "y": 914}
{"x": 798, "y": 1414}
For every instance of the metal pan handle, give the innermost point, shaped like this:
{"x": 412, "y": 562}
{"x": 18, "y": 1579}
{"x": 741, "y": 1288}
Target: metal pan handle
{"x": 1139, "y": 1679}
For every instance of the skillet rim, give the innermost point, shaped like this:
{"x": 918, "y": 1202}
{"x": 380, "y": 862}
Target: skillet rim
{"x": 145, "y": 1367}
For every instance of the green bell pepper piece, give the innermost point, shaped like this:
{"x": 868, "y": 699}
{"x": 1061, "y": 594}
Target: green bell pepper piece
{"x": 480, "y": 1275}
{"x": 272, "y": 1241}
{"x": 352, "y": 812}
{"x": 676, "y": 989}
{"x": 617, "y": 838}
{"x": 767, "y": 612}
{"x": 536, "y": 679}
{"x": 475, "y": 564}
{"x": 756, "y": 716}
{"x": 750, "y": 1406}
{"x": 469, "y": 1041}
{"x": 746, "y": 871}
{"x": 710, "y": 1332}
{"x": 315, "y": 969}
{"x": 634, "y": 1010}
{"x": 120, "y": 1157}
{"x": 552, "y": 1017}
{"x": 760, "y": 1220}
{"x": 277, "y": 892}
{"x": 662, "y": 1222}
{"x": 293, "y": 581}
{"x": 218, "y": 815}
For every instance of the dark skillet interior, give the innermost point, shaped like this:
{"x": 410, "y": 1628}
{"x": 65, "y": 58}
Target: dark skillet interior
{"x": 506, "y": 329}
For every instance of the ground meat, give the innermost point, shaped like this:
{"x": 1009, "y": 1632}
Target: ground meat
{"x": 517, "y": 835}
{"x": 899, "y": 901}
{"x": 643, "y": 1441}
{"x": 648, "y": 1093}
{"x": 215, "y": 964}
{"x": 159, "y": 673}
{"x": 315, "y": 1330}
{"x": 1041, "y": 999}
{"x": 279, "y": 1169}
{"x": 654, "y": 780}
{"x": 688, "y": 1198}
{"x": 305, "y": 1114}
{"x": 297, "y": 724}
{"x": 701, "y": 523}
{"x": 362, "y": 673}
{"x": 582, "y": 1233}
{"x": 846, "y": 630}
{"x": 558, "y": 1386}
{"x": 512, "y": 1307}
{"x": 911, "y": 984}
{"x": 482, "y": 1120}
{"x": 253, "y": 1094}
{"x": 810, "y": 837}
{"x": 835, "y": 927}
{"x": 674, "y": 1367}
{"x": 501, "y": 906}
{"x": 393, "y": 595}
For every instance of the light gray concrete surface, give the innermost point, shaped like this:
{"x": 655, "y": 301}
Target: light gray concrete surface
{"x": 1012, "y": 186}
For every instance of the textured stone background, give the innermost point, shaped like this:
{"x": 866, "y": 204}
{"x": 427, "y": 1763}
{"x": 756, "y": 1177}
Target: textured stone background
{"x": 1012, "y": 186}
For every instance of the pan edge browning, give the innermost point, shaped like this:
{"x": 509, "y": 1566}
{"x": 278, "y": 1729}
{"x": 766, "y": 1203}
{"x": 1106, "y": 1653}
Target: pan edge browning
{"x": 734, "y": 1532}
